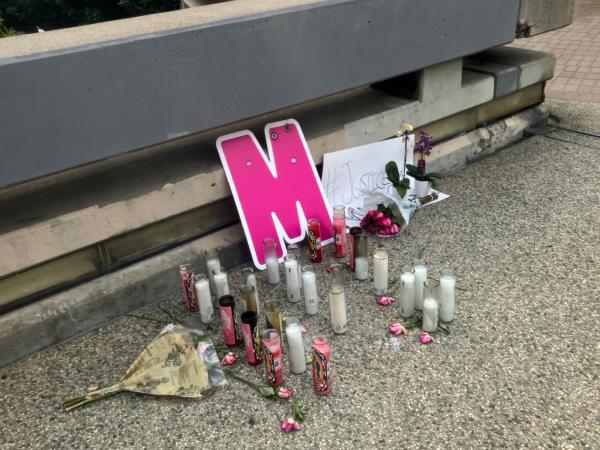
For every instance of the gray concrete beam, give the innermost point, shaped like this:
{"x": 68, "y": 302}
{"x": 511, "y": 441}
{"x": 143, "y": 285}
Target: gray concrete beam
{"x": 65, "y": 109}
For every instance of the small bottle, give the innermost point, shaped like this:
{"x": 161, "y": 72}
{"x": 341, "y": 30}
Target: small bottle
{"x": 292, "y": 279}
{"x": 361, "y": 259}
{"x": 354, "y": 233}
{"x": 272, "y": 356}
{"x": 321, "y": 370}
{"x": 420, "y": 271}
{"x": 187, "y": 277}
{"x": 250, "y": 280}
{"x": 251, "y": 334}
{"x": 271, "y": 260}
{"x": 293, "y": 336}
{"x": 337, "y": 303}
{"x": 380, "y": 272}
{"x": 204, "y": 297}
{"x": 311, "y": 297}
{"x": 314, "y": 241}
{"x": 248, "y": 297}
{"x": 213, "y": 266}
{"x": 446, "y": 295}
{"x": 228, "y": 320}
{"x": 339, "y": 229}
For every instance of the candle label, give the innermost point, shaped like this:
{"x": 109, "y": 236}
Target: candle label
{"x": 189, "y": 293}
{"x": 252, "y": 343}
{"x": 274, "y": 365}
{"x": 340, "y": 239}
{"x": 229, "y": 325}
{"x": 320, "y": 369}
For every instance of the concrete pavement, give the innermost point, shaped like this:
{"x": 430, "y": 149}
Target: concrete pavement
{"x": 577, "y": 50}
{"x": 519, "y": 368}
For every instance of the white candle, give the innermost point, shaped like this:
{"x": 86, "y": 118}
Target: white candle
{"x": 251, "y": 282}
{"x": 293, "y": 335}
{"x": 407, "y": 293}
{"x": 221, "y": 284}
{"x": 361, "y": 268}
{"x": 311, "y": 297}
{"x": 380, "y": 272}
{"x": 202, "y": 287}
{"x": 430, "y": 314}
{"x": 213, "y": 266}
{"x": 420, "y": 278}
{"x": 446, "y": 295}
{"x": 292, "y": 280}
{"x": 337, "y": 309}
{"x": 272, "y": 270}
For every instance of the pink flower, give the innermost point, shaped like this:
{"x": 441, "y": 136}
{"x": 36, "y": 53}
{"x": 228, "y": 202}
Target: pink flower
{"x": 378, "y": 216}
{"x": 397, "y": 330}
{"x": 425, "y": 338}
{"x": 288, "y": 425}
{"x": 385, "y": 301}
{"x": 385, "y": 222}
{"x": 395, "y": 229}
{"x": 284, "y": 393}
{"x": 303, "y": 329}
{"x": 372, "y": 213}
{"x": 230, "y": 359}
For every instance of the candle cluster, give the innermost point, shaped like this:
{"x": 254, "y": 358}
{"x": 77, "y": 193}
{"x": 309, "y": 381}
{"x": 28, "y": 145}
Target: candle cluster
{"x": 240, "y": 317}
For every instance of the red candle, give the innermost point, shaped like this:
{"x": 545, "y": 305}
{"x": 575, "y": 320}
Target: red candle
{"x": 339, "y": 228}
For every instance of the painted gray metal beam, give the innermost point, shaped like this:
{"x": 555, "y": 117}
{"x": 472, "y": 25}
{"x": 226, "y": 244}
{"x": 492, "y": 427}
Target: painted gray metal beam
{"x": 61, "y": 110}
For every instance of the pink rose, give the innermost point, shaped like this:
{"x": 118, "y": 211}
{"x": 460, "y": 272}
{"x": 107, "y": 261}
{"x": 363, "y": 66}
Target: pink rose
{"x": 397, "y": 330}
{"x": 283, "y": 393}
{"x": 425, "y": 338}
{"x": 230, "y": 359}
{"x": 395, "y": 229}
{"x": 385, "y": 301}
{"x": 378, "y": 216}
{"x": 385, "y": 222}
{"x": 371, "y": 214}
{"x": 288, "y": 425}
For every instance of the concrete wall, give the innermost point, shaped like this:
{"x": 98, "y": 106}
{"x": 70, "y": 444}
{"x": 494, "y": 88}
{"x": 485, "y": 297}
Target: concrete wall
{"x": 66, "y": 108}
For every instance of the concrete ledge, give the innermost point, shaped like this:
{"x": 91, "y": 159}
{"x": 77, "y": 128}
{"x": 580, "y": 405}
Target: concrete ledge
{"x": 89, "y": 305}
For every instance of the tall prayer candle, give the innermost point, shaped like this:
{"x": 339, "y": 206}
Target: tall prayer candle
{"x": 354, "y": 232}
{"x": 420, "y": 277}
{"x": 272, "y": 357}
{"x": 380, "y": 272}
{"x": 446, "y": 295}
{"x": 187, "y": 278}
{"x": 339, "y": 228}
{"x": 213, "y": 266}
{"x": 202, "y": 287}
{"x": 228, "y": 320}
{"x": 251, "y": 334}
{"x": 294, "y": 249}
{"x": 361, "y": 257}
{"x": 248, "y": 297}
{"x": 293, "y": 335}
{"x": 311, "y": 297}
{"x": 407, "y": 292}
{"x": 271, "y": 260}
{"x": 250, "y": 277}
{"x": 337, "y": 308}
{"x": 321, "y": 371}
{"x": 430, "y": 314}
{"x": 314, "y": 240}
{"x": 221, "y": 284}
{"x": 291, "y": 278}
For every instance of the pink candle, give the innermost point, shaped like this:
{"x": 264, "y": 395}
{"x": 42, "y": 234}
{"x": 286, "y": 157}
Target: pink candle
{"x": 339, "y": 228}
{"x": 272, "y": 357}
{"x": 321, "y": 372}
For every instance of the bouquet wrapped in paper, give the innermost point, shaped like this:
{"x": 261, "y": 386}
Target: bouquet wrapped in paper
{"x": 178, "y": 362}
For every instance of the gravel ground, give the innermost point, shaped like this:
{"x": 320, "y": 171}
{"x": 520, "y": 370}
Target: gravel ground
{"x": 519, "y": 368}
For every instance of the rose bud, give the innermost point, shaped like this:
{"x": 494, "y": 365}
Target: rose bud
{"x": 397, "y": 330}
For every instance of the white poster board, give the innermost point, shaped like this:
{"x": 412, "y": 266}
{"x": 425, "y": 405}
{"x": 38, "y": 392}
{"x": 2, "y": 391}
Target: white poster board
{"x": 348, "y": 173}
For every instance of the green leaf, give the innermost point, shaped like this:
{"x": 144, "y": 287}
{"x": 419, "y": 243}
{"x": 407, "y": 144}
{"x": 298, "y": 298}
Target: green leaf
{"x": 266, "y": 391}
{"x": 298, "y": 412}
{"x": 391, "y": 170}
{"x": 403, "y": 187}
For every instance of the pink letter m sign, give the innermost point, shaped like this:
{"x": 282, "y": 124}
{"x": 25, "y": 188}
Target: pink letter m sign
{"x": 276, "y": 195}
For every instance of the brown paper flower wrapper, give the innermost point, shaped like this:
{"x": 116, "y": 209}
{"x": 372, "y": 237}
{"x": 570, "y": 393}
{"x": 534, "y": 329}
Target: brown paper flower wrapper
{"x": 168, "y": 366}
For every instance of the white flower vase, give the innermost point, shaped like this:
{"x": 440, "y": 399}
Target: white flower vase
{"x": 422, "y": 188}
